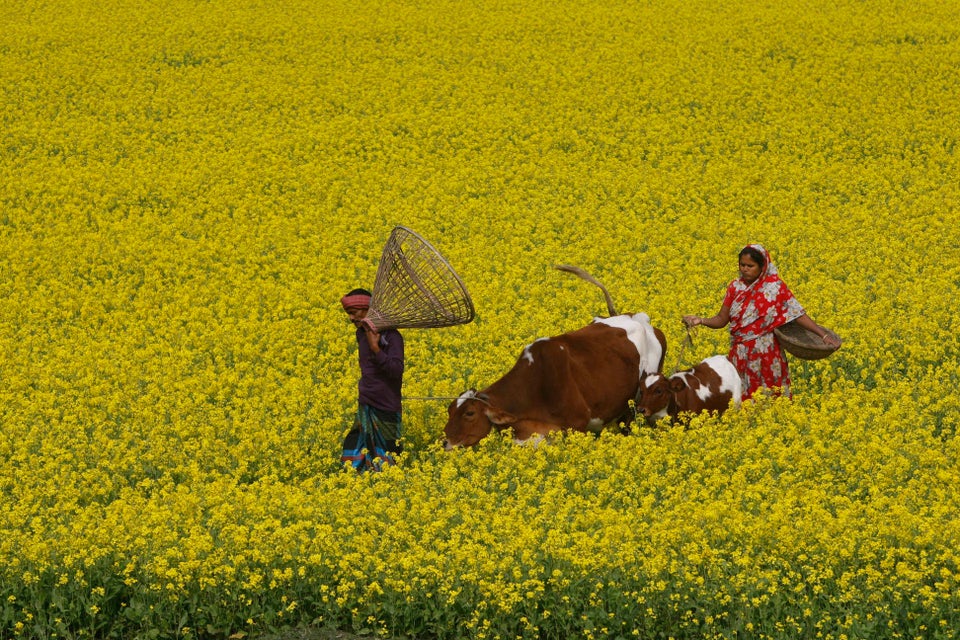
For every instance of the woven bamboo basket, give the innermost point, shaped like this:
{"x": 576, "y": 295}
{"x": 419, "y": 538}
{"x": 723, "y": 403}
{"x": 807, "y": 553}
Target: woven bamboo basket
{"x": 803, "y": 343}
{"x": 416, "y": 287}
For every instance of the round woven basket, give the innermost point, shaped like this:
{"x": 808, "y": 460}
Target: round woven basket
{"x": 803, "y": 343}
{"x": 416, "y": 287}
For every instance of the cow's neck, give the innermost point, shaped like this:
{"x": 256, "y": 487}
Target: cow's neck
{"x": 673, "y": 407}
{"x": 505, "y": 401}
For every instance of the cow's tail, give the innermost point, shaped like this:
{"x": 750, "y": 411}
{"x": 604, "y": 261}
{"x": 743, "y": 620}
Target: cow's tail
{"x": 589, "y": 278}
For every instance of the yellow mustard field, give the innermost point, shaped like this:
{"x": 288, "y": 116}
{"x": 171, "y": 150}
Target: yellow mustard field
{"x": 188, "y": 187}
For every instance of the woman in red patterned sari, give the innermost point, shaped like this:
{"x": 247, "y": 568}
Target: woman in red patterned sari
{"x": 755, "y": 304}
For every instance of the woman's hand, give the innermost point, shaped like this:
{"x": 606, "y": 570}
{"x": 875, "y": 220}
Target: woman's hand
{"x": 692, "y": 321}
{"x": 831, "y": 340}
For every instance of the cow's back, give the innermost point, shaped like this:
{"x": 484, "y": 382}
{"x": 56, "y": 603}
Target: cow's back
{"x": 712, "y": 385}
{"x": 649, "y": 342}
{"x": 599, "y": 350}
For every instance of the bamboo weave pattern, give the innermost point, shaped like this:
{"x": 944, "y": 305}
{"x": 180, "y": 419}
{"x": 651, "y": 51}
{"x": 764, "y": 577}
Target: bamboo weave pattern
{"x": 416, "y": 287}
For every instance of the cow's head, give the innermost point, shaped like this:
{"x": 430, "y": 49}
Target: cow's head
{"x": 471, "y": 418}
{"x": 656, "y": 391}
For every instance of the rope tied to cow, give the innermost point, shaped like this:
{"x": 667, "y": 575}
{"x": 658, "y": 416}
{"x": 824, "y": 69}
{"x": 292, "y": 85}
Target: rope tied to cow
{"x": 468, "y": 395}
{"x": 687, "y": 340}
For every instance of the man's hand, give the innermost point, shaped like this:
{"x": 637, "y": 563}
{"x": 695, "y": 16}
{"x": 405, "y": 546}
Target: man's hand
{"x": 373, "y": 337}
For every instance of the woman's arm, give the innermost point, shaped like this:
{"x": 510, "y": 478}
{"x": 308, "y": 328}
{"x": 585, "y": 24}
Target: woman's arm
{"x": 807, "y": 322}
{"x": 716, "y": 322}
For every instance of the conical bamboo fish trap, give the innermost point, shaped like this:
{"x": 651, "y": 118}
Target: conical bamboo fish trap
{"x": 416, "y": 287}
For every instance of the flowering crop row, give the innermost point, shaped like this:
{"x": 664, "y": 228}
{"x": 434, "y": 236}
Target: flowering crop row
{"x": 187, "y": 188}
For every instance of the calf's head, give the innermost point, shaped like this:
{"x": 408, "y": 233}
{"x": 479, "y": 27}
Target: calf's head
{"x": 470, "y": 419}
{"x": 656, "y": 391}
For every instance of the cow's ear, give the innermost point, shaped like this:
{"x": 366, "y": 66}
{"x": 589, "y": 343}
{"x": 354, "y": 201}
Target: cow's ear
{"x": 500, "y": 417}
{"x": 677, "y": 384}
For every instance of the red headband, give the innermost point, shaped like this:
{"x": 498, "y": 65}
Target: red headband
{"x": 356, "y": 301}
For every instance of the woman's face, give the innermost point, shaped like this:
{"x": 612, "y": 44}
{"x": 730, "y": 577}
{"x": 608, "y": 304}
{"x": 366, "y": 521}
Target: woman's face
{"x": 749, "y": 269}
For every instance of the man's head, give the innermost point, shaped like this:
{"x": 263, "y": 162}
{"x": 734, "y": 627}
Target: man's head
{"x": 356, "y": 304}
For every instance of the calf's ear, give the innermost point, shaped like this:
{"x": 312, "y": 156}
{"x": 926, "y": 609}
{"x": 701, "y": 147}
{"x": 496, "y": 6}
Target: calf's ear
{"x": 500, "y": 417}
{"x": 677, "y": 384}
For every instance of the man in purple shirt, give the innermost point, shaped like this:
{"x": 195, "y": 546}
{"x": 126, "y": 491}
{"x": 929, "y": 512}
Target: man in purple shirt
{"x": 376, "y": 432}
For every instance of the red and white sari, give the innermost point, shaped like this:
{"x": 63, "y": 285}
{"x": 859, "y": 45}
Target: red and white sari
{"x": 756, "y": 309}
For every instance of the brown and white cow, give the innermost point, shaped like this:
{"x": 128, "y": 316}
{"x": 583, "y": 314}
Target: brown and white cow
{"x": 581, "y": 380}
{"x": 712, "y": 385}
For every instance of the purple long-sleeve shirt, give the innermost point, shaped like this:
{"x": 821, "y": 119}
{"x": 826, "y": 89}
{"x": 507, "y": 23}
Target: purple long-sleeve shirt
{"x": 381, "y": 374}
